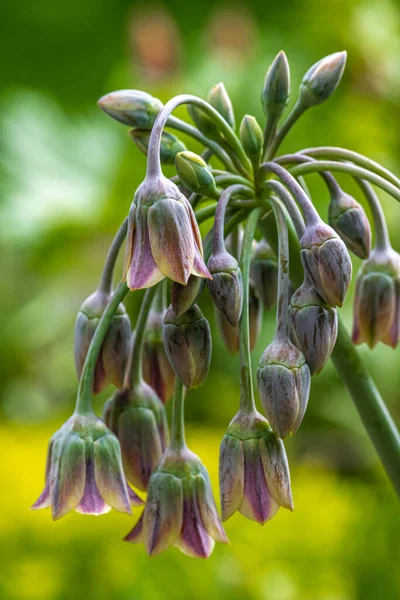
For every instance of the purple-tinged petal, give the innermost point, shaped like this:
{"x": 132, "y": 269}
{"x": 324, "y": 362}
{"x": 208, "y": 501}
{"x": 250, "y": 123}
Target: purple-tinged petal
{"x": 91, "y": 503}
{"x": 195, "y": 227}
{"x": 67, "y": 475}
{"x": 44, "y": 500}
{"x": 303, "y": 383}
{"x": 257, "y": 505}
{"x": 276, "y": 469}
{"x": 199, "y": 266}
{"x": 231, "y": 475}
{"x": 208, "y": 510}
{"x": 130, "y": 236}
{"x": 163, "y": 514}
{"x": 109, "y": 476}
{"x": 134, "y": 499}
{"x": 142, "y": 271}
{"x": 136, "y": 535}
{"x": 171, "y": 239}
{"x": 194, "y": 539}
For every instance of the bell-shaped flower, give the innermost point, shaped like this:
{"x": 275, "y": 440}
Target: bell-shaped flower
{"x": 84, "y": 471}
{"x": 253, "y": 470}
{"x": 163, "y": 237}
{"x": 180, "y": 508}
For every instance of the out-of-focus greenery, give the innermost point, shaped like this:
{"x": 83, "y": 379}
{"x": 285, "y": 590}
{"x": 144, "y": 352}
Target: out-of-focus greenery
{"x": 67, "y": 176}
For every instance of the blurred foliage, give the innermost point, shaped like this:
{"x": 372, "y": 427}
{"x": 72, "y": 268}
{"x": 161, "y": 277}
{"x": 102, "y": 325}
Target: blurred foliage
{"x": 67, "y": 176}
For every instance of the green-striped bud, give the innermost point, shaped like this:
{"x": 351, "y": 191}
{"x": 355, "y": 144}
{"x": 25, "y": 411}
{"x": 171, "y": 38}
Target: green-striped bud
{"x": 195, "y": 174}
{"x": 218, "y": 98}
{"x": 322, "y": 79}
{"x": 348, "y": 219}
{"x": 131, "y": 107}
{"x": 204, "y": 123}
{"x": 170, "y": 144}
{"x": 276, "y": 90}
{"x": 226, "y": 286}
{"x": 251, "y": 137}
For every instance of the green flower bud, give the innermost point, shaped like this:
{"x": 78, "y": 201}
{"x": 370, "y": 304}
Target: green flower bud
{"x": 195, "y": 174}
{"x": 219, "y": 99}
{"x": 377, "y": 300}
{"x": 131, "y": 107}
{"x": 322, "y": 79}
{"x": 348, "y": 219}
{"x": 251, "y": 137}
{"x": 226, "y": 286}
{"x": 314, "y": 326}
{"x": 264, "y": 273}
{"x": 204, "y": 123}
{"x": 276, "y": 90}
{"x": 170, "y": 144}
{"x": 187, "y": 341}
{"x": 284, "y": 386}
{"x": 184, "y": 296}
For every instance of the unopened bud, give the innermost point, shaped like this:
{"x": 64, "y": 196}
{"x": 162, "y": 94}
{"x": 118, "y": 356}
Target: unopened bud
{"x": 219, "y": 99}
{"x": 251, "y": 137}
{"x": 348, "y": 219}
{"x": 204, "y": 123}
{"x": 377, "y": 300}
{"x": 131, "y": 107}
{"x": 276, "y": 90}
{"x": 226, "y": 286}
{"x": 326, "y": 262}
{"x": 255, "y": 314}
{"x": 313, "y": 326}
{"x": 195, "y": 174}
{"x": 157, "y": 371}
{"x": 322, "y": 79}
{"x": 264, "y": 273}
{"x": 170, "y": 144}
{"x": 114, "y": 352}
{"x": 187, "y": 341}
{"x": 184, "y": 296}
{"x": 284, "y": 386}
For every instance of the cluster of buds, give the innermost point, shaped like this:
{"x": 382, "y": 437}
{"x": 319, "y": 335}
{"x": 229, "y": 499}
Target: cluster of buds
{"x": 91, "y": 460}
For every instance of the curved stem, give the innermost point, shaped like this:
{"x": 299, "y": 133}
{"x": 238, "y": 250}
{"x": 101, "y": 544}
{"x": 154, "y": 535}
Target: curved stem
{"x": 84, "y": 398}
{"x": 291, "y": 119}
{"x": 222, "y": 177}
{"x": 282, "y": 306}
{"x": 327, "y": 165}
{"x": 382, "y": 241}
{"x": 330, "y": 181}
{"x": 105, "y": 284}
{"x": 133, "y": 374}
{"x": 349, "y": 155}
{"x": 177, "y": 439}
{"x": 179, "y": 125}
{"x": 247, "y": 404}
{"x": 218, "y": 237}
{"x": 153, "y": 158}
{"x": 290, "y": 204}
{"x": 310, "y": 214}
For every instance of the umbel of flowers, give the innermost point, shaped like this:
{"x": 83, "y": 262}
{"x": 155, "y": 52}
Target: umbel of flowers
{"x": 266, "y": 237}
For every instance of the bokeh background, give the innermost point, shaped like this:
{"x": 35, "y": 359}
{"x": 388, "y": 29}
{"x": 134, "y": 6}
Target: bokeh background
{"x": 67, "y": 176}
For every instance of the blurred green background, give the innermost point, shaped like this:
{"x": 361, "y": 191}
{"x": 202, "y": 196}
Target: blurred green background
{"x": 67, "y": 176}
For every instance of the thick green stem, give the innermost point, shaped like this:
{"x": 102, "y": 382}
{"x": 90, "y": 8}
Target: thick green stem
{"x": 290, "y": 204}
{"x": 134, "y": 370}
{"x": 218, "y": 236}
{"x": 382, "y": 241}
{"x": 177, "y": 439}
{"x": 105, "y": 284}
{"x": 291, "y": 119}
{"x": 84, "y": 398}
{"x": 282, "y": 305}
{"x": 247, "y": 404}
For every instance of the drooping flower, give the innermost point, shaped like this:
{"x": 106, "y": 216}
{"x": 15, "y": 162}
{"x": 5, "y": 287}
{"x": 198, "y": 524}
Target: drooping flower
{"x": 253, "y": 470}
{"x": 348, "y": 219}
{"x": 84, "y": 471}
{"x": 137, "y": 417}
{"x": 180, "y": 508}
{"x": 226, "y": 286}
{"x": 113, "y": 356}
{"x": 163, "y": 237}
{"x": 264, "y": 273}
{"x": 157, "y": 370}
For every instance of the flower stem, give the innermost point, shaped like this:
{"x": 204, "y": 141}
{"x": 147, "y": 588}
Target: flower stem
{"x": 291, "y": 119}
{"x": 247, "y": 404}
{"x": 105, "y": 284}
{"x": 177, "y": 439}
{"x": 84, "y": 398}
{"x": 282, "y": 305}
{"x": 218, "y": 237}
{"x": 382, "y": 241}
{"x": 133, "y": 374}
{"x": 290, "y": 204}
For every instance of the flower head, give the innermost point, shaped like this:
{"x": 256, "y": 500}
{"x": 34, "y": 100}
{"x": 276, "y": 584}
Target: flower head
{"x": 253, "y": 470}
{"x": 137, "y": 417}
{"x": 284, "y": 386}
{"x": 113, "y": 356}
{"x": 226, "y": 286}
{"x": 131, "y": 107}
{"x": 276, "y": 89}
{"x": 326, "y": 262}
{"x": 377, "y": 300}
{"x": 322, "y": 79}
{"x": 84, "y": 471}
{"x": 163, "y": 237}
{"x": 348, "y": 219}
{"x": 180, "y": 508}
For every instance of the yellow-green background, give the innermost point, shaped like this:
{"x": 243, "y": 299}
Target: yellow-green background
{"x": 67, "y": 176}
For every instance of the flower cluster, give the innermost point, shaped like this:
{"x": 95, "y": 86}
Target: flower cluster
{"x": 301, "y": 265}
